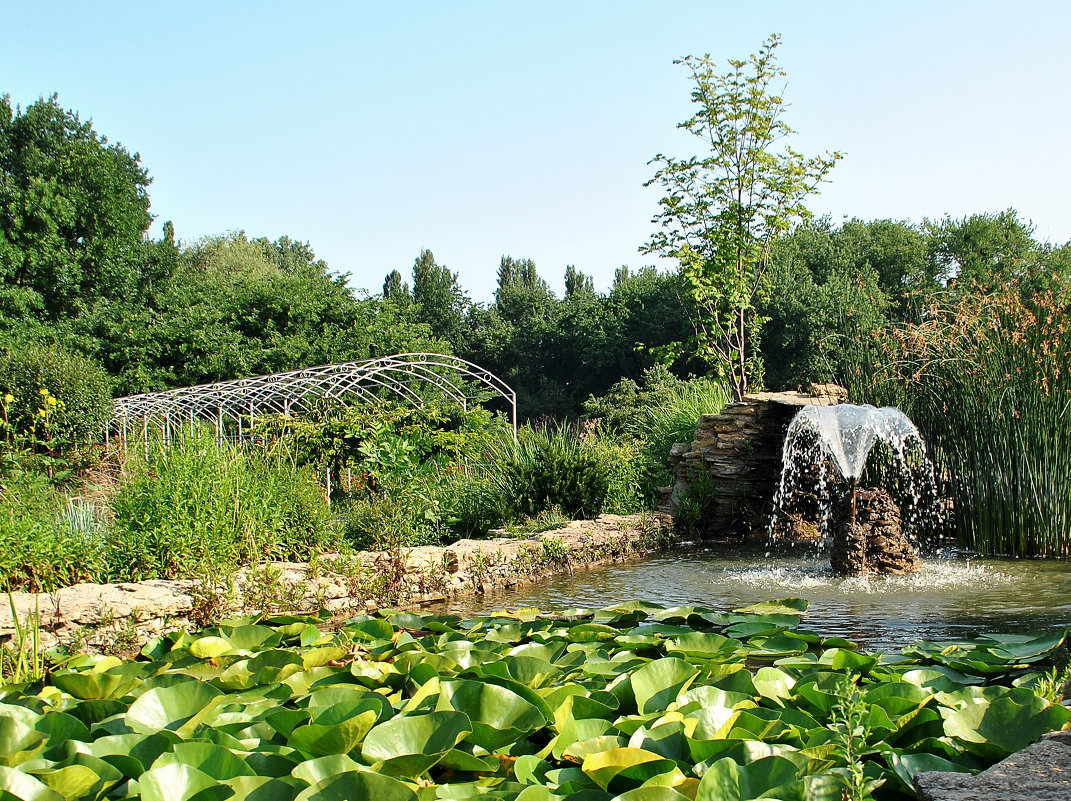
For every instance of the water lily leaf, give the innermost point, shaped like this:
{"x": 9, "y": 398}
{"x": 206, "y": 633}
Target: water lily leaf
{"x": 339, "y": 737}
{"x": 905, "y": 766}
{"x": 132, "y": 754}
{"x": 776, "y": 646}
{"x": 212, "y": 760}
{"x": 530, "y": 769}
{"x": 23, "y": 786}
{"x": 210, "y": 647}
{"x": 178, "y": 708}
{"x": 498, "y": 716}
{"x": 725, "y": 780}
{"x": 1005, "y": 725}
{"x": 657, "y": 684}
{"x": 652, "y": 793}
{"x": 458, "y": 760}
{"x": 254, "y": 638}
{"x": 667, "y": 739}
{"x": 174, "y": 782}
{"x": 783, "y": 606}
{"x": 842, "y": 659}
{"x": 703, "y": 645}
{"x": 374, "y": 628}
{"x": 90, "y": 712}
{"x": 408, "y": 746}
{"x": 314, "y": 771}
{"x": 774, "y": 684}
{"x": 73, "y": 781}
{"x": 19, "y": 738}
{"x": 633, "y": 765}
{"x": 112, "y": 683}
{"x": 576, "y": 730}
{"x": 261, "y": 788}
{"x": 357, "y": 785}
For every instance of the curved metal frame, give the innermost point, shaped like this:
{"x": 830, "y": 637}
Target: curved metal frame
{"x": 297, "y": 391}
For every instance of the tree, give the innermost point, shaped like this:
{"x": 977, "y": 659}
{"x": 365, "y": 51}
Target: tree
{"x": 577, "y": 283}
{"x": 73, "y": 209}
{"x": 721, "y": 212}
{"x": 438, "y": 296}
{"x": 395, "y": 289}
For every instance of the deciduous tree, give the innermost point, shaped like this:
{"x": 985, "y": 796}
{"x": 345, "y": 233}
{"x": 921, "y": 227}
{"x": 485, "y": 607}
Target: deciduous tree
{"x": 722, "y": 211}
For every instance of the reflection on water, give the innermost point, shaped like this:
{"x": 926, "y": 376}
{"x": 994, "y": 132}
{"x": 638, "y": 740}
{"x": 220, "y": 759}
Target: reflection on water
{"x": 948, "y": 598}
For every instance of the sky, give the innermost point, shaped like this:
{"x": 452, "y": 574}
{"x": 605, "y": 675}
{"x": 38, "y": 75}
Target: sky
{"x": 477, "y": 129}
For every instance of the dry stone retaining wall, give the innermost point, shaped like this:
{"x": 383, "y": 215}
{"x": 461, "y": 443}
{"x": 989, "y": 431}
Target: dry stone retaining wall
{"x": 120, "y": 617}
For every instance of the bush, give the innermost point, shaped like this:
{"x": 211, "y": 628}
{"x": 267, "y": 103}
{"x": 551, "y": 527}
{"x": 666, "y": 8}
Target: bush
{"x": 584, "y": 477}
{"x": 79, "y": 385}
{"x": 44, "y": 544}
{"x": 196, "y": 506}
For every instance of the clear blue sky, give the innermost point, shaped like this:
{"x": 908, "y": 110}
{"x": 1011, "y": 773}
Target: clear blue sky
{"x": 482, "y": 128}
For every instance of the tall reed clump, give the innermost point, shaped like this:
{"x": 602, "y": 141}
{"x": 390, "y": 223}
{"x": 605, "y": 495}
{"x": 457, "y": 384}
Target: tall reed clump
{"x": 986, "y": 379}
{"x": 583, "y": 475}
{"x": 197, "y": 505}
{"x": 674, "y": 419}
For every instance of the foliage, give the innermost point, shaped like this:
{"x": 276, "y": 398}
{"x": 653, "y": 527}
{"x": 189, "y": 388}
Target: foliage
{"x": 721, "y": 213}
{"x": 73, "y": 209}
{"x": 984, "y": 377}
{"x": 631, "y": 701}
{"x": 196, "y": 506}
{"x": 368, "y": 445}
{"x": 80, "y": 402}
{"x": 584, "y": 476}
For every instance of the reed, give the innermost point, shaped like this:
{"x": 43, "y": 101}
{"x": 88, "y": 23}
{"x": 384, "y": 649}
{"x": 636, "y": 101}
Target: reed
{"x": 985, "y": 379}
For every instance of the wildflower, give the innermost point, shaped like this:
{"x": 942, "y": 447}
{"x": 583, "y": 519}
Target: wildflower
{"x": 40, "y": 412}
{"x": 51, "y": 401}
{"x": 8, "y": 398}
{"x": 44, "y": 392}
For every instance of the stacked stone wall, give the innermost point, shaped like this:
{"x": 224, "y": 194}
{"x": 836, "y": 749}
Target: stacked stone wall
{"x": 740, "y": 451}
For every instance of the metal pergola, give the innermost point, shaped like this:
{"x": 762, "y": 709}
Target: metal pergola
{"x": 241, "y": 401}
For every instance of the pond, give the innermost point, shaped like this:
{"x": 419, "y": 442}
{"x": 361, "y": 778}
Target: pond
{"x": 949, "y": 598}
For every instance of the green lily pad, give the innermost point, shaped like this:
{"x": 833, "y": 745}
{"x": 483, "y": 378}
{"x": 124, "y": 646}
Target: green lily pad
{"x": 657, "y": 684}
{"x": 499, "y": 717}
{"x": 178, "y": 708}
{"x": 408, "y": 746}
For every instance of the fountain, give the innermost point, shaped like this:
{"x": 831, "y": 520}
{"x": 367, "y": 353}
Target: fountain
{"x": 869, "y": 530}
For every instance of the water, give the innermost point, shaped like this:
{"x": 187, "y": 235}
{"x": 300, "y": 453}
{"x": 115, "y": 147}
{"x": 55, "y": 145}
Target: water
{"x": 827, "y": 444}
{"x": 948, "y": 599}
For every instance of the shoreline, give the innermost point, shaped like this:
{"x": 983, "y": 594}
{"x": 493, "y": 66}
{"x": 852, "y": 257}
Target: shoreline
{"x": 119, "y": 618}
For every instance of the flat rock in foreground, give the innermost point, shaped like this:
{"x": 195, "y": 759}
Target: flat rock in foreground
{"x": 1041, "y": 772}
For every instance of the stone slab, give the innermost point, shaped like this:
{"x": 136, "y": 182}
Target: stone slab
{"x": 1041, "y": 772}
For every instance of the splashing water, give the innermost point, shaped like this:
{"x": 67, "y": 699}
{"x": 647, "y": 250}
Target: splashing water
{"x": 842, "y": 437}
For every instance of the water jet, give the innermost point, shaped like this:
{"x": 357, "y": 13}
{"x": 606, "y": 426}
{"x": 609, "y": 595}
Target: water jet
{"x": 824, "y": 459}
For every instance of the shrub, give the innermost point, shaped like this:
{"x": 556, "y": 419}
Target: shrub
{"x": 196, "y": 506}
{"x": 78, "y": 384}
{"x": 555, "y": 467}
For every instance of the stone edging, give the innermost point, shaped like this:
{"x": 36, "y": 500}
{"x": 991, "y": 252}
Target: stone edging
{"x": 118, "y": 617}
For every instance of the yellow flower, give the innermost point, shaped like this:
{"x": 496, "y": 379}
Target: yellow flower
{"x": 44, "y": 392}
{"x": 40, "y": 412}
{"x": 8, "y": 398}
{"x": 51, "y": 401}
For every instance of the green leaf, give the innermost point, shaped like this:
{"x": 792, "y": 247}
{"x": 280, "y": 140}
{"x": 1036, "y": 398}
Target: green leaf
{"x": 355, "y": 785}
{"x": 499, "y": 717}
{"x": 657, "y": 684}
{"x": 25, "y": 787}
{"x": 339, "y": 737}
{"x": 212, "y": 760}
{"x": 314, "y": 771}
{"x": 178, "y": 708}
{"x": 633, "y": 765}
{"x": 174, "y": 782}
{"x": 1006, "y": 725}
{"x": 408, "y": 746}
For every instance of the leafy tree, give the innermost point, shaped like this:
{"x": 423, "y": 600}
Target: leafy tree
{"x": 721, "y": 212}
{"x": 395, "y": 289}
{"x": 73, "y": 211}
{"x": 984, "y": 249}
{"x": 576, "y": 283}
{"x": 438, "y": 295}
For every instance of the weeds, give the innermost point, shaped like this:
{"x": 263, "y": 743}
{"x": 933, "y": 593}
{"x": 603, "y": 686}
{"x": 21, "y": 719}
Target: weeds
{"x": 22, "y": 660}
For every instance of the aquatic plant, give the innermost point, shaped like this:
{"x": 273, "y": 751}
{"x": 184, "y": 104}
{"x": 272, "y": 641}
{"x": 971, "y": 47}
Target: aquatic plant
{"x": 633, "y": 701}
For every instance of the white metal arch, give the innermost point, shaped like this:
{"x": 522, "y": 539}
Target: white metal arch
{"x": 298, "y": 391}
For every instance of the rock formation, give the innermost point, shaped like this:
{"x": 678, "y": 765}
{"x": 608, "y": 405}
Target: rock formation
{"x": 869, "y": 539}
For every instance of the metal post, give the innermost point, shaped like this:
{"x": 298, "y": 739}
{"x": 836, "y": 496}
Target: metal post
{"x": 145, "y": 433}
